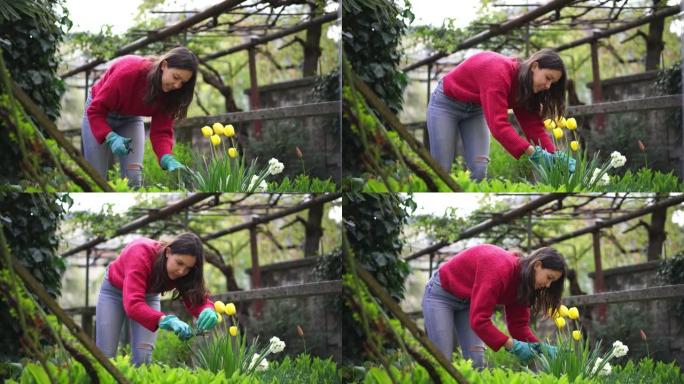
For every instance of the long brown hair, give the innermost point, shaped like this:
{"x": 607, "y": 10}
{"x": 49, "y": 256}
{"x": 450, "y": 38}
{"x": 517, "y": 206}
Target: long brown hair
{"x": 542, "y": 299}
{"x": 549, "y": 103}
{"x": 189, "y": 287}
{"x": 174, "y": 103}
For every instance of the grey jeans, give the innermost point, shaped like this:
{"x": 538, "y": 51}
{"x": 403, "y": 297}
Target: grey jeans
{"x": 447, "y": 318}
{"x": 448, "y": 117}
{"x": 99, "y": 155}
{"x": 109, "y": 318}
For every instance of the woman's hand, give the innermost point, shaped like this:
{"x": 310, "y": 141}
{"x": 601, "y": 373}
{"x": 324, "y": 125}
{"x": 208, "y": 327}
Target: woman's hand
{"x": 174, "y": 324}
{"x": 169, "y": 163}
{"x": 545, "y": 347}
{"x": 522, "y": 350}
{"x": 207, "y": 319}
{"x": 541, "y": 155}
{"x": 119, "y": 145}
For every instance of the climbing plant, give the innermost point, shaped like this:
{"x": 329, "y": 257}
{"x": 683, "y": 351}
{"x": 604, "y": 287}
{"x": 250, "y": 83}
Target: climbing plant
{"x": 30, "y": 223}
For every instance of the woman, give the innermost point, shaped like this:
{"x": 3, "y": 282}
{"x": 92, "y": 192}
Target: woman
{"x": 460, "y": 298}
{"x": 473, "y": 100}
{"x": 132, "y": 87}
{"x": 131, "y": 288}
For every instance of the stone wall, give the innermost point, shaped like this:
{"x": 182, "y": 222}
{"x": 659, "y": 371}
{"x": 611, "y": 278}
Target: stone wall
{"x": 318, "y": 316}
{"x": 318, "y": 137}
{"x": 657, "y": 129}
{"x": 658, "y": 319}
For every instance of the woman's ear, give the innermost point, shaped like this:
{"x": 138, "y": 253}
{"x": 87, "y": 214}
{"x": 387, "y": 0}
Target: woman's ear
{"x": 534, "y": 66}
{"x": 164, "y": 64}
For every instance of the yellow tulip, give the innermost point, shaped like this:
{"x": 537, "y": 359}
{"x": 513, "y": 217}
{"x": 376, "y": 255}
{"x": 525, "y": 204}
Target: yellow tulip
{"x": 549, "y": 124}
{"x": 577, "y": 335}
{"x": 232, "y": 152}
{"x": 206, "y": 131}
{"x": 233, "y": 330}
{"x": 573, "y": 313}
{"x": 563, "y": 310}
{"x": 230, "y": 309}
{"x": 574, "y": 145}
{"x": 561, "y": 122}
{"x": 571, "y": 123}
{"x": 557, "y": 133}
{"x": 229, "y": 130}
{"x": 219, "y": 307}
{"x": 560, "y": 322}
{"x": 219, "y": 319}
{"x": 218, "y": 128}
{"x": 215, "y": 139}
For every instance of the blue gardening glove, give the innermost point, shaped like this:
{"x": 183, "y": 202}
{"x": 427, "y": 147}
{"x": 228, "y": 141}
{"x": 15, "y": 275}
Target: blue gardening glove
{"x": 563, "y": 158}
{"x": 118, "y": 144}
{"x": 207, "y": 319}
{"x": 546, "y": 347}
{"x": 541, "y": 155}
{"x": 174, "y": 324}
{"x": 169, "y": 163}
{"x": 522, "y": 350}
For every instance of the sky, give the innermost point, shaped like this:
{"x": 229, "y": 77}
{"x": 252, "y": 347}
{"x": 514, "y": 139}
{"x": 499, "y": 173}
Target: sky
{"x": 437, "y": 203}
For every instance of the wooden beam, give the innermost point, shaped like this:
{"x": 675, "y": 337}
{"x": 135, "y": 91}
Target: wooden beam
{"x": 265, "y": 219}
{"x": 494, "y": 221}
{"x": 294, "y": 111}
{"x": 162, "y": 34}
{"x": 599, "y": 285}
{"x": 265, "y": 39}
{"x": 678, "y": 199}
{"x": 495, "y": 30}
{"x": 632, "y": 295}
{"x": 52, "y": 130}
{"x": 321, "y": 288}
{"x": 318, "y": 288}
{"x": 143, "y": 221}
{"x": 645, "y": 104}
{"x": 665, "y": 12}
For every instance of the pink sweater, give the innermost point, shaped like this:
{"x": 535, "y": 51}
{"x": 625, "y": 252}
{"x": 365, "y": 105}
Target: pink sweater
{"x": 122, "y": 90}
{"x": 490, "y": 79}
{"x": 488, "y": 276}
{"x": 131, "y": 271}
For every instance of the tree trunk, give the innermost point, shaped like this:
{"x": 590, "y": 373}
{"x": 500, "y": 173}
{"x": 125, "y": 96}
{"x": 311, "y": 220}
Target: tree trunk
{"x": 312, "y": 48}
{"x": 314, "y": 231}
{"x": 656, "y": 234}
{"x": 654, "y": 42}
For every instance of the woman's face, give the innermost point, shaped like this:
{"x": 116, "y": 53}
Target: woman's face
{"x": 173, "y": 78}
{"x": 543, "y": 277}
{"x": 543, "y": 78}
{"x": 178, "y": 265}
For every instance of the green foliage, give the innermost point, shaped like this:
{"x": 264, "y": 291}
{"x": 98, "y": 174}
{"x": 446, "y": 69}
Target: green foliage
{"x": 170, "y": 350}
{"x": 154, "y": 175}
{"x": 644, "y": 180}
{"x": 503, "y": 166}
{"x": 226, "y": 174}
{"x": 670, "y": 272}
{"x": 645, "y": 371}
{"x": 303, "y": 183}
{"x": 302, "y": 369}
{"x": 219, "y": 351}
{"x": 373, "y": 224}
{"x": 371, "y": 37}
{"x": 103, "y": 44}
{"x": 157, "y": 374}
{"x": 35, "y": 26}
{"x": 30, "y": 223}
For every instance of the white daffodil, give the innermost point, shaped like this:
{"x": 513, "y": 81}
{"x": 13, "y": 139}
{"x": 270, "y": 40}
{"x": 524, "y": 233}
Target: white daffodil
{"x": 617, "y": 160}
{"x": 277, "y": 345}
{"x": 619, "y": 349}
